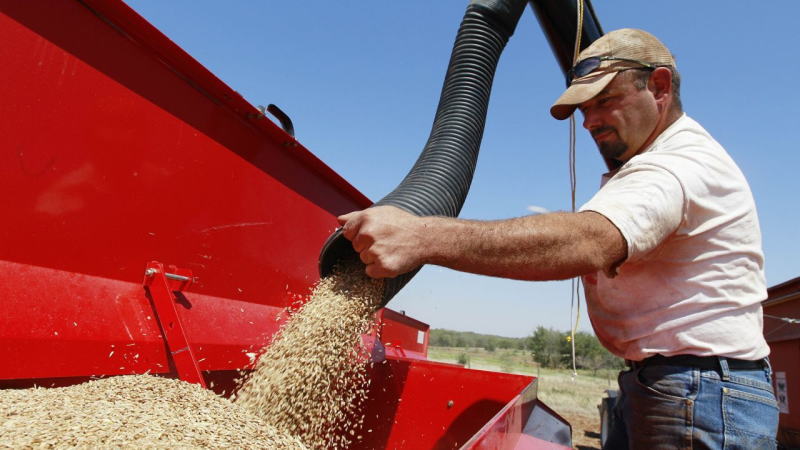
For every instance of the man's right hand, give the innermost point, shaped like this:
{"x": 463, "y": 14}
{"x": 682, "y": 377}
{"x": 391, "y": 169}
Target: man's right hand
{"x": 389, "y": 240}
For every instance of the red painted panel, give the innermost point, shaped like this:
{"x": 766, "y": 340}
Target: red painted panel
{"x": 776, "y": 328}
{"x": 784, "y": 342}
{"x": 65, "y": 324}
{"x": 508, "y": 429}
{"x": 116, "y": 158}
{"x": 783, "y": 289}
{"x": 785, "y": 357}
{"x": 423, "y": 404}
{"x": 402, "y": 335}
{"x": 121, "y": 151}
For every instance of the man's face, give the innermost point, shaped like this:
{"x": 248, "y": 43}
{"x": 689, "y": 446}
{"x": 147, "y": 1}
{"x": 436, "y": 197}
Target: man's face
{"x": 621, "y": 118}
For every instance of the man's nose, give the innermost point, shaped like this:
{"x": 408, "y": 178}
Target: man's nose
{"x": 589, "y": 120}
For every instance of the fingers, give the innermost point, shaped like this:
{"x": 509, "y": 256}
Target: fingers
{"x": 383, "y": 266}
{"x": 362, "y": 241}
{"x": 380, "y": 243}
{"x": 350, "y": 223}
{"x": 345, "y": 217}
{"x": 367, "y": 257}
{"x": 353, "y": 229}
{"x": 378, "y": 272}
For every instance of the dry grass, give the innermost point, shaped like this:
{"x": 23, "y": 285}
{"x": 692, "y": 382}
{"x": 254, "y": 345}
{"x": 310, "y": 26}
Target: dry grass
{"x": 576, "y": 399}
{"x": 500, "y": 360}
{"x": 570, "y": 395}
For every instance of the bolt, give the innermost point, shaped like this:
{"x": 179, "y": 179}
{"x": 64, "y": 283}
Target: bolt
{"x": 150, "y": 272}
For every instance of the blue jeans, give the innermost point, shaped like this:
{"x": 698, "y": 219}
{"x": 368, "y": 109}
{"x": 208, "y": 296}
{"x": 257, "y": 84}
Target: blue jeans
{"x": 674, "y": 407}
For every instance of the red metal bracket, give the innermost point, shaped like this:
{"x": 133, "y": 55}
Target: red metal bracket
{"x": 162, "y": 285}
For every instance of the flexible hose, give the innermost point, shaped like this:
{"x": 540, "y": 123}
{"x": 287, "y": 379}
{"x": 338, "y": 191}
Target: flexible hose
{"x": 438, "y": 183}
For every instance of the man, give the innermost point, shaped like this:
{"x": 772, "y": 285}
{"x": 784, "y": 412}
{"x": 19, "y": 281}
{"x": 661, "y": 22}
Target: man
{"x": 669, "y": 250}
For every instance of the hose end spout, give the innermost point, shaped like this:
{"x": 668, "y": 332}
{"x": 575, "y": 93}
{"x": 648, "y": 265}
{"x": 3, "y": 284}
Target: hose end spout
{"x": 336, "y": 249}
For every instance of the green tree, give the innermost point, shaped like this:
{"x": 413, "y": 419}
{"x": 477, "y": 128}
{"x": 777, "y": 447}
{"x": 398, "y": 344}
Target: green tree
{"x": 442, "y": 339}
{"x": 547, "y": 347}
{"x": 506, "y": 343}
{"x": 451, "y": 338}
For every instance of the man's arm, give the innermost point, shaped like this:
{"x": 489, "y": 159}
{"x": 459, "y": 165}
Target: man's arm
{"x": 543, "y": 247}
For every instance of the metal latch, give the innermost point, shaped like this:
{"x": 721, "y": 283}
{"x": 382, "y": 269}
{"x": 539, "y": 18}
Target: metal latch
{"x": 161, "y": 287}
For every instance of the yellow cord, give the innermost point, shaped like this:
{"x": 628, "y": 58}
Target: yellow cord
{"x": 575, "y": 307}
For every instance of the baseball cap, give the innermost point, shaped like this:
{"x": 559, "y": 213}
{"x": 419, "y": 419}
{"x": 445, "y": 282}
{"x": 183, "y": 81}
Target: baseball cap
{"x": 618, "y": 50}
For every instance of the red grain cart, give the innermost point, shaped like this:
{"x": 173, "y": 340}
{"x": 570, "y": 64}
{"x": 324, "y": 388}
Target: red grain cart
{"x": 158, "y": 223}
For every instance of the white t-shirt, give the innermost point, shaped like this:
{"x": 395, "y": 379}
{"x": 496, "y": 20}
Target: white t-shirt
{"x": 693, "y": 280}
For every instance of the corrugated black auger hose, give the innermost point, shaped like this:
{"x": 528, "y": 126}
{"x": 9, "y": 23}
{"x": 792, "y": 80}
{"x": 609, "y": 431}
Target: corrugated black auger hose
{"x": 438, "y": 183}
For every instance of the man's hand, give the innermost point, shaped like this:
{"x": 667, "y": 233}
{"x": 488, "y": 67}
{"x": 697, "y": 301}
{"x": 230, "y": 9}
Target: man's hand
{"x": 389, "y": 240}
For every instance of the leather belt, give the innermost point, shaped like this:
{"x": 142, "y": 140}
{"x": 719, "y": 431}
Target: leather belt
{"x": 700, "y": 362}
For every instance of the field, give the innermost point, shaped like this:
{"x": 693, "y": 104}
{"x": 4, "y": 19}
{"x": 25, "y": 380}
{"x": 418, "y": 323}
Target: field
{"x": 575, "y": 399}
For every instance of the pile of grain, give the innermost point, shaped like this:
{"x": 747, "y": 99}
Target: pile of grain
{"x": 311, "y": 381}
{"x": 306, "y": 390}
{"x": 131, "y": 411}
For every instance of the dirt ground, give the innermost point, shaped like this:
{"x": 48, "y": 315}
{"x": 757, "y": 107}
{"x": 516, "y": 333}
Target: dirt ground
{"x": 585, "y": 431}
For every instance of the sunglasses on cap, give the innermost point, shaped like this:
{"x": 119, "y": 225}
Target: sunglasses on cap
{"x": 586, "y": 66}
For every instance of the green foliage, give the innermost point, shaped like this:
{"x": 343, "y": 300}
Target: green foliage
{"x": 463, "y": 359}
{"x": 551, "y": 348}
{"x": 464, "y": 339}
{"x": 547, "y": 347}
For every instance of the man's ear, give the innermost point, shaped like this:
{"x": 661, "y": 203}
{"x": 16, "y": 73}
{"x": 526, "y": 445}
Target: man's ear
{"x": 660, "y": 83}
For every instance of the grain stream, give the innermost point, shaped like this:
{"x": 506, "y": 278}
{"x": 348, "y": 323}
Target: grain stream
{"x": 311, "y": 381}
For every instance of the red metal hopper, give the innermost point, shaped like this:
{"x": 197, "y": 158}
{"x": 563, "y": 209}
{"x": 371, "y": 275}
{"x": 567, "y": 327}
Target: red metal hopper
{"x": 157, "y": 222}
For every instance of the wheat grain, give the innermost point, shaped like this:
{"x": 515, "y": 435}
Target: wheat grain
{"x": 131, "y": 412}
{"x": 306, "y": 391}
{"x": 311, "y": 381}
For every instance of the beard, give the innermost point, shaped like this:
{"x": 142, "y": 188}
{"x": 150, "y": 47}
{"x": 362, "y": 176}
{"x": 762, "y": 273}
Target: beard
{"x": 610, "y": 149}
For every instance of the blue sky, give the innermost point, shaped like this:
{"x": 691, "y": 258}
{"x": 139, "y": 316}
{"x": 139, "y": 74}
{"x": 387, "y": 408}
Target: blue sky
{"x": 361, "y": 82}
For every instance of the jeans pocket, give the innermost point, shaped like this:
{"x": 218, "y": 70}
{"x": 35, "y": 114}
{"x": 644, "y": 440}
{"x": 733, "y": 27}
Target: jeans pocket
{"x": 657, "y": 413}
{"x": 750, "y": 419}
{"x": 671, "y": 382}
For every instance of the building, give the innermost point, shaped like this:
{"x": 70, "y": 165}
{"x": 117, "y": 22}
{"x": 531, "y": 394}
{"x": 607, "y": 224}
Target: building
{"x": 782, "y": 331}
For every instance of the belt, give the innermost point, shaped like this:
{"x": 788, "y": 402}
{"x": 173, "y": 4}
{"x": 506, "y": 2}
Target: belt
{"x": 700, "y": 362}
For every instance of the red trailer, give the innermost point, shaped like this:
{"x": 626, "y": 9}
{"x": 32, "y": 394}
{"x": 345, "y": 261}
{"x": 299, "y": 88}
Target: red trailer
{"x": 156, "y": 222}
{"x": 782, "y": 331}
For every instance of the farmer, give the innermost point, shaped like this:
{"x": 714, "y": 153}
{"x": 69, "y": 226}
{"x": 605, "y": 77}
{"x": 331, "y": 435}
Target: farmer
{"x": 669, "y": 250}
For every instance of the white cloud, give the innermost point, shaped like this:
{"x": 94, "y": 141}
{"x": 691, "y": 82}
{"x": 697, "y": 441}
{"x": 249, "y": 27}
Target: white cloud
{"x": 537, "y": 209}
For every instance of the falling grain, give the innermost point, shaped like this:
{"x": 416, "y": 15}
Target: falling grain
{"x": 311, "y": 382}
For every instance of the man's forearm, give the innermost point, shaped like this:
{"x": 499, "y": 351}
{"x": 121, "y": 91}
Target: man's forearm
{"x": 543, "y": 247}
{"x": 552, "y": 246}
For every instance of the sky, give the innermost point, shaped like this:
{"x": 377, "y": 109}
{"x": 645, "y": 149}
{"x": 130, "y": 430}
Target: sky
{"x": 361, "y": 82}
